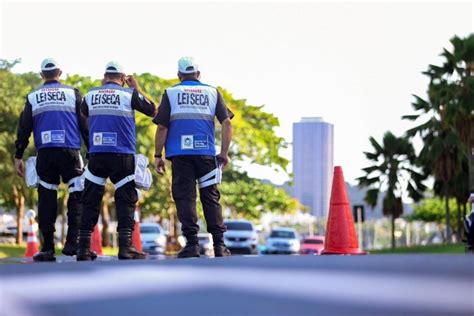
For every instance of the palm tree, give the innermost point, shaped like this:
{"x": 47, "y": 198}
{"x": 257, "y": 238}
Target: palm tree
{"x": 458, "y": 70}
{"x": 460, "y": 190}
{"x": 391, "y": 171}
{"x": 447, "y": 132}
{"x": 440, "y": 157}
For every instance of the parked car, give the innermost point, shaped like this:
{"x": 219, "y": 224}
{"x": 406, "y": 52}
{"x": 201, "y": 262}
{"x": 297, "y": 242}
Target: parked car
{"x": 241, "y": 237}
{"x": 312, "y": 245}
{"x": 283, "y": 241}
{"x": 205, "y": 244}
{"x": 153, "y": 238}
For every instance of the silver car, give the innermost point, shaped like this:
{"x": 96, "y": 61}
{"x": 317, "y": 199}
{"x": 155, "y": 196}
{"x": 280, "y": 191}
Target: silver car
{"x": 153, "y": 238}
{"x": 283, "y": 241}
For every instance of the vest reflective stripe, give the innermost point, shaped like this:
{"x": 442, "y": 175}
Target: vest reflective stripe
{"x": 54, "y": 116}
{"x": 112, "y": 120}
{"x": 54, "y": 108}
{"x": 191, "y": 130}
{"x": 192, "y": 116}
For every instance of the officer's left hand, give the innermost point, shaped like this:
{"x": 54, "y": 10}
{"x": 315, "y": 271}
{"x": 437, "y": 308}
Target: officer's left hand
{"x": 160, "y": 165}
{"x": 131, "y": 82}
{"x": 223, "y": 159}
{"x": 19, "y": 167}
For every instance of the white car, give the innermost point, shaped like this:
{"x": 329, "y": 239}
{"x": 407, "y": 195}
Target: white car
{"x": 283, "y": 241}
{"x": 241, "y": 237}
{"x": 153, "y": 238}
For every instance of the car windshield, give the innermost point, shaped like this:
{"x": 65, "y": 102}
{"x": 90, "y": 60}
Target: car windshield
{"x": 238, "y": 226}
{"x": 313, "y": 241}
{"x": 282, "y": 234}
{"x": 204, "y": 238}
{"x": 149, "y": 230}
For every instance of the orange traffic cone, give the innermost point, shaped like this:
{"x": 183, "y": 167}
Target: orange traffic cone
{"x": 136, "y": 238}
{"x": 96, "y": 243}
{"x": 341, "y": 237}
{"x": 32, "y": 246}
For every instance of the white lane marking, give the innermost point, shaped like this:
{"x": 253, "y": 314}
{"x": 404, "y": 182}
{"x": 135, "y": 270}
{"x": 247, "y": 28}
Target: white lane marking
{"x": 389, "y": 290}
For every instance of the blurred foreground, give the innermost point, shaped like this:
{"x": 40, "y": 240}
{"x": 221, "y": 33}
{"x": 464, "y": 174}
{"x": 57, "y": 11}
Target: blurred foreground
{"x": 245, "y": 285}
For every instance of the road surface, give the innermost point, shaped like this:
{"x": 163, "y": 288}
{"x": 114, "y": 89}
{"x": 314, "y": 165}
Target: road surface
{"x": 243, "y": 285}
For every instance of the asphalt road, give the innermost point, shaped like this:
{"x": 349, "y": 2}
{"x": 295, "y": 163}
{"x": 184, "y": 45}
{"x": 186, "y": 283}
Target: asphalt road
{"x": 244, "y": 285}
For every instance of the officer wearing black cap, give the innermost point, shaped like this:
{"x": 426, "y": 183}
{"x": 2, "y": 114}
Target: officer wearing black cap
{"x": 185, "y": 122}
{"x": 111, "y": 112}
{"x": 52, "y": 113}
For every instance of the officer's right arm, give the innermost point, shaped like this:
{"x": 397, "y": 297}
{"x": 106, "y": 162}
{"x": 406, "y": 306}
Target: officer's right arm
{"x": 162, "y": 119}
{"x": 25, "y": 127}
{"x": 224, "y": 115}
{"x": 143, "y": 104}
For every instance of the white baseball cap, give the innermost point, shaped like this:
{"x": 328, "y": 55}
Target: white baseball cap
{"x": 113, "y": 67}
{"x": 49, "y": 64}
{"x": 187, "y": 65}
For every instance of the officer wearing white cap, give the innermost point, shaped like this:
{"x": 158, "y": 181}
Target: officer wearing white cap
{"x": 52, "y": 113}
{"x": 185, "y": 122}
{"x": 111, "y": 112}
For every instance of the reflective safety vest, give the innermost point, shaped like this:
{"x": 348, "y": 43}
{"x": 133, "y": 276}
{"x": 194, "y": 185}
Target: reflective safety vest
{"x": 191, "y": 129}
{"x": 111, "y": 119}
{"x": 55, "y": 122}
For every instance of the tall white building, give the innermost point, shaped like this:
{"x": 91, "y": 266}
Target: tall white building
{"x": 313, "y": 160}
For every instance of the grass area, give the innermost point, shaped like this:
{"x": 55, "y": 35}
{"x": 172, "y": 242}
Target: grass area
{"x": 454, "y": 248}
{"x": 9, "y": 250}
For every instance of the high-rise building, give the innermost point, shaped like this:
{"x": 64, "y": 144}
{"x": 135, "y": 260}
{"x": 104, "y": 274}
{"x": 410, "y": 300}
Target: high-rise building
{"x": 313, "y": 154}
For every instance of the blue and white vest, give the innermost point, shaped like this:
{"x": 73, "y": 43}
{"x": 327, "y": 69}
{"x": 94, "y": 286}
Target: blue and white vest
{"x": 111, "y": 119}
{"x": 191, "y": 129}
{"x": 55, "y": 121}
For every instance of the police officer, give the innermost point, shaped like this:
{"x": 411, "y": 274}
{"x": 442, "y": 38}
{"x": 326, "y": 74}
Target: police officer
{"x": 52, "y": 113}
{"x": 111, "y": 112}
{"x": 185, "y": 122}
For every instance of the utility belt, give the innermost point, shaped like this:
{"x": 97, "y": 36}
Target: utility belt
{"x": 32, "y": 179}
{"x": 142, "y": 176}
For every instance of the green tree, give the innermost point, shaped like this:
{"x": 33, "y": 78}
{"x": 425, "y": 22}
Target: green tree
{"x": 432, "y": 211}
{"x": 13, "y": 190}
{"x": 446, "y": 131}
{"x": 249, "y": 198}
{"x": 391, "y": 171}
